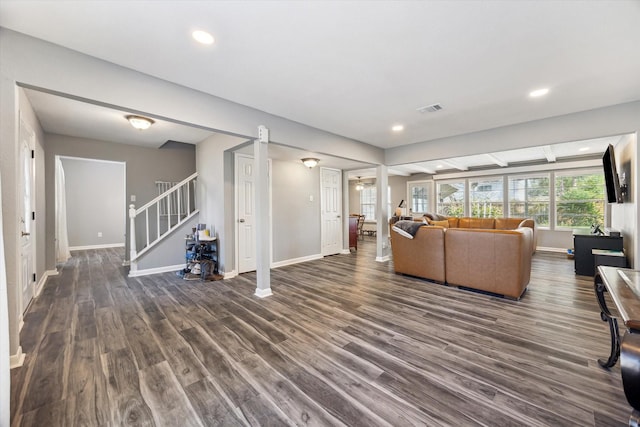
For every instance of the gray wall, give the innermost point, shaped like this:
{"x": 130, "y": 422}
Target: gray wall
{"x": 170, "y": 251}
{"x": 144, "y": 167}
{"x": 95, "y": 201}
{"x": 296, "y": 219}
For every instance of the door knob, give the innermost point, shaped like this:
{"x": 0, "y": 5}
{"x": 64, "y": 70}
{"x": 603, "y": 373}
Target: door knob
{"x": 242, "y": 220}
{"x": 25, "y": 234}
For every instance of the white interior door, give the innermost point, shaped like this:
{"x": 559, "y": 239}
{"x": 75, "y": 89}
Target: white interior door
{"x": 27, "y": 207}
{"x": 331, "y": 181}
{"x": 245, "y": 221}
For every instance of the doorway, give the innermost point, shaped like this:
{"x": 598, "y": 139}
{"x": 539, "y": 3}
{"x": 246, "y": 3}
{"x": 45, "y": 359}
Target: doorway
{"x": 331, "y": 210}
{"x": 27, "y": 244}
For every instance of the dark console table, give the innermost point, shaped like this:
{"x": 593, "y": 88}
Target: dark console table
{"x": 584, "y": 243}
{"x": 623, "y": 285}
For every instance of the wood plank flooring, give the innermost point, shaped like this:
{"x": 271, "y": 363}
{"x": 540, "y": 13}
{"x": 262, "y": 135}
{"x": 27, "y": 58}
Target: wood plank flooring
{"x": 343, "y": 341}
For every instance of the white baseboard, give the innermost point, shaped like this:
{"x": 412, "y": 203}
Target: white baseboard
{"x": 89, "y": 247}
{"x": 43, "y": 280}
{"x": 230, "y": 274}
{"x": 345, "y": 251}
{"x": 263, "y": 293}
{"x": 547, "y": 249}
{"x": 16, "y": 360}
{"x": 157, "y": 270}
{"x": 296, "y": 260}
{"x": 383, "y": 258}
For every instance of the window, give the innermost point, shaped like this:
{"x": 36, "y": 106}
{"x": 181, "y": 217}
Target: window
{"x": 451, "y": 198}
{"x": 418, "y": 197}
{"x": 580, "y": 199}
{"x": 368, "y": 202}
{"x": 529, "y": 198}
{"x": 486, "y": 197}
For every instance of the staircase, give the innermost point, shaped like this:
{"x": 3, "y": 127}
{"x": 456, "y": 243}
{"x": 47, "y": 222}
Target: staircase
{"x": 153, "y": 222}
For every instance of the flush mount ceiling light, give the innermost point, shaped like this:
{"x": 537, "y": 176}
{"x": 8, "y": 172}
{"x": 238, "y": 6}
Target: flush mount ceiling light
{"x": 539, "y": 92}
{"x": 310, "y": 162}
{"x": 359, "y": 185}
{"x": 397, "y": 128}
{"x": 202, "y": 37}
{"x": 139, "y": 122}
{"x": 583, "y": 149}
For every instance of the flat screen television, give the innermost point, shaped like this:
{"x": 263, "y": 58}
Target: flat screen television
{"x": 614, "y": 194}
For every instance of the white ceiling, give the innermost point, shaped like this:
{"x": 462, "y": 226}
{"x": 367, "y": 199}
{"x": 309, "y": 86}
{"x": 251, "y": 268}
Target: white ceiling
{"x": 66, "y": 116}
{"x": 355, "y": 68}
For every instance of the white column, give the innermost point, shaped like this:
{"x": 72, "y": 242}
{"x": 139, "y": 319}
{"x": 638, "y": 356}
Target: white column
{"x": 382, "y": 214}
{"x": 133, "y": 252}
{"x": 263, "y": 244}
{"x": 345, "y": 213}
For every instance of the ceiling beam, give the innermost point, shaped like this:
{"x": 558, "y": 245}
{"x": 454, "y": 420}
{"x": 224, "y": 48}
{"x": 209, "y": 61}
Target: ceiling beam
{"x": 497, "y": 160}
{"x": 424, "y": 169}
{"x": 548, "y": 153}
{"x": 454, "y": 165}
{"x": 397, "y": 172}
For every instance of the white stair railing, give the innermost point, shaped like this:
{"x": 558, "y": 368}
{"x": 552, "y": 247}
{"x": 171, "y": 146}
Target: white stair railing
{"x": 169, "y": 210}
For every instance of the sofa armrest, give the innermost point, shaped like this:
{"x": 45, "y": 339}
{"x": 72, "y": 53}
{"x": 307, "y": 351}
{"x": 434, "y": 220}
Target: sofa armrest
{"x": 422, "y": 256}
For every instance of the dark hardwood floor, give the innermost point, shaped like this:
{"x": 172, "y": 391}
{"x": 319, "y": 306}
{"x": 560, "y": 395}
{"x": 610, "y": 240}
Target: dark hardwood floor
{"x": 343, "y": 341}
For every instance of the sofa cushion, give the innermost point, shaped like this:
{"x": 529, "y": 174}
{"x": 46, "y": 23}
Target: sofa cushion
{"x": 443, "y": 223}
{"x": 481, "y": 223}
{"x": 507, "y": 223}
{"x": 453, "y": 221}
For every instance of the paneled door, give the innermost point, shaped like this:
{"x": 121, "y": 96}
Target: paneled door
{"x": 331, "y": 182}
{"x": 245, "y": 221}
{"x": 27, "y": 207}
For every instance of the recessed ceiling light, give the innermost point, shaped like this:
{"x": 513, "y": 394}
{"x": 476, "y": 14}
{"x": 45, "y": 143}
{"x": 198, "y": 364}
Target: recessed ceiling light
{"x": 397, "y": 128}
{"x": 203, "y": 37}
{"x": 439, "y": 167}
{"x": 583, "y": 149}
{"x": 539, "y": 92}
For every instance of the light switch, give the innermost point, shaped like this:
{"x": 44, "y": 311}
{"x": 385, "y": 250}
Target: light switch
{"x": 133, "y": 197}
{"x": 311, "y": 197}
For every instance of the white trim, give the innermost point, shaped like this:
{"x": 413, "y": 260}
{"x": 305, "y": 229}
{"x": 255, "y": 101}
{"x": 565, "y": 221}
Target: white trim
{"x": 345, "y": 251}
{"x": 126, "y": 263}
{"x": 383, "y": 258}
{"x": 297, "y": 260}
{"x": 156, "y": 270}
{"x": 43, "y": 280}
{"x": 549, "y": 249}
{"x": 16, "y": 360}
{"x": 230, "y": 274}
{"x": 263, "y": 293}
{"x": 89, "y": 247}
{"x": 21, "y": 324}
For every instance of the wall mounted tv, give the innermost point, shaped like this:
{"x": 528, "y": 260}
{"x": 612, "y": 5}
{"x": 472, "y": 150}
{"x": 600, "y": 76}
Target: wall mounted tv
{"x": 614, "y": 193}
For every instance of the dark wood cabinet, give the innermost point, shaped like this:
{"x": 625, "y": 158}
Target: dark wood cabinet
{"x": 353, "y": 232}
{"x": 583, "y": 244}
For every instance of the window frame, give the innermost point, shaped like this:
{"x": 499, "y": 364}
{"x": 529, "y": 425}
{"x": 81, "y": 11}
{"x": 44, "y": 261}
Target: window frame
{"x": 551, "y": 206}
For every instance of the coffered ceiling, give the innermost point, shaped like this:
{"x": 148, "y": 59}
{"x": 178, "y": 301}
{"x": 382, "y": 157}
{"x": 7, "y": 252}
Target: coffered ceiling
{"x": 356, "y": 68}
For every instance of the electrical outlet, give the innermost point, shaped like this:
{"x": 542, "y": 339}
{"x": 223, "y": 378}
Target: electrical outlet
{"x": 99, "y": 233}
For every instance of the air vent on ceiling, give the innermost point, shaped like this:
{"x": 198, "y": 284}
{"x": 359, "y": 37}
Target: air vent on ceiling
{"x": 430, "y": 108}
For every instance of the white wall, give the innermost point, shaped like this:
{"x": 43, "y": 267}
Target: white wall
{"x": 95, "y": 193}
{"x": 624, "y": 217}
{"x": 5, "y": 352}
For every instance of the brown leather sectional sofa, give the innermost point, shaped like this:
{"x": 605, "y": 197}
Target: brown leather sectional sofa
{"x": 492, "y": 255}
